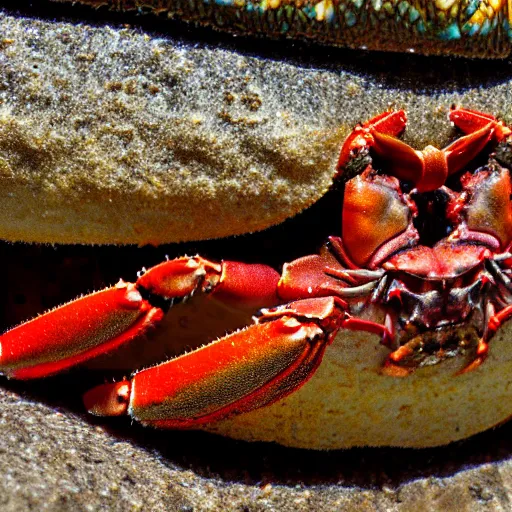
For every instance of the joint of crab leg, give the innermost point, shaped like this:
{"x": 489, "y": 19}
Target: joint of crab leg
{"x": 357, "y": 324}
{"x": 392, "y": 367}
{"x": 253, "y": 285}
{"x": 351, "y": 292}
{"x": 505, "y": 257}
{"x": 108, "y": 399}
{"x": 180, "y": 277}
{"x": 317, "y": 308}
{"x": 470, "y": 121}
{"x": 388, "y": 123}
{"x": 482, "y": 351}
{"x": 249, "y": 285}
{"x": 401, "y": 353}
{"x": 497, "y": 273}
{"x": 497, "y": 320}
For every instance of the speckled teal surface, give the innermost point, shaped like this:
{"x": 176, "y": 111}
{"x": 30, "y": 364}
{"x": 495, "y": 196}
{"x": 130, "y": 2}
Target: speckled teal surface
{"x": 476, "y": 28}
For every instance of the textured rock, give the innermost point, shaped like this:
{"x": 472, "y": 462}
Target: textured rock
{"x": 114, "y": 135}
{"x": 52, "y": 458}
{"x": 110, "y": 135}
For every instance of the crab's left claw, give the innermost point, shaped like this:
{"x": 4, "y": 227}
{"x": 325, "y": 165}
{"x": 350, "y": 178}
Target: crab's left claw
{"x": 388, "y": 123}
{"x": 100, "y": 322}
{"x": 237, "y": 373}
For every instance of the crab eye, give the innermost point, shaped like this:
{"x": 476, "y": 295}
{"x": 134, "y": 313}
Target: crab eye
{"x": 373, "y": 213}
{"x": 489, "y": 209}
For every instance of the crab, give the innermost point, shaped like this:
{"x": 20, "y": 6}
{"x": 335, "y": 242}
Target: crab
{"x": 419, "y": 278}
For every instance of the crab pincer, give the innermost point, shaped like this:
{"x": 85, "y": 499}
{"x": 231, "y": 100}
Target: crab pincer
{"x": 237, "y": 373}
{"x": 101, "y": 322}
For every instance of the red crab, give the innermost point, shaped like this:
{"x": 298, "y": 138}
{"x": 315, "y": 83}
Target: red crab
{"x": 423, "y": 261}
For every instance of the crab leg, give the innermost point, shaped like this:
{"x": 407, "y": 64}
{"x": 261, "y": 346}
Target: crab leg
{"x": 470, "y": 121}
{"x": 237, "y": 373}
{"x": 427, "y": 169}
{"x": 102, "y": 321}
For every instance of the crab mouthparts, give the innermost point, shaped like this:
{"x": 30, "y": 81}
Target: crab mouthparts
{"x": 431, "y": 347}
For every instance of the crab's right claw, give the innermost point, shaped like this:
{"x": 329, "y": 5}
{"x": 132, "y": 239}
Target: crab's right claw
{"x": 238, "y": 373}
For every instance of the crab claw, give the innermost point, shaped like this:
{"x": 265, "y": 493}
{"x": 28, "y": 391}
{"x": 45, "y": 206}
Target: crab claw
{"x": 100, "y": 322}
{"x": 237, "y": 373}
{"x": 76, "y": 332}
{"x": 427, "y": 169}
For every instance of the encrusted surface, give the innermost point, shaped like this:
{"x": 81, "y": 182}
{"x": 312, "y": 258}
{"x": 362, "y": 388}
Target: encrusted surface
{"x": 456, "y": 27}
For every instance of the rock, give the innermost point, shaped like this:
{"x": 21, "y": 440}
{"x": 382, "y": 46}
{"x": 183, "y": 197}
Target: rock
{"x": 110, "y": 134}
{"x": 53, "y": 458}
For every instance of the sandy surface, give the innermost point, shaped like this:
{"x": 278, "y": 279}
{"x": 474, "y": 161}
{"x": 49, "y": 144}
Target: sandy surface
{"x": 54, "y": 458}
{"x": 143, "y": 132}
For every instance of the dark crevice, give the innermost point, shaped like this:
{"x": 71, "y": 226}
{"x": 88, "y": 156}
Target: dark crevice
{"x": 431, "y": 221}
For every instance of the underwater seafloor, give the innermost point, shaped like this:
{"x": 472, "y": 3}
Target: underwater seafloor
{"x": 52, "y": 455}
